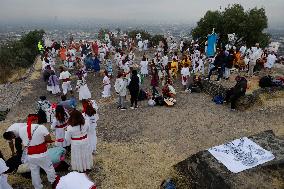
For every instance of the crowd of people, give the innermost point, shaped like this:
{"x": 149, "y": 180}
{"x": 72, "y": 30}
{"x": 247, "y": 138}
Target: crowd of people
{"x": 71, "y": 123}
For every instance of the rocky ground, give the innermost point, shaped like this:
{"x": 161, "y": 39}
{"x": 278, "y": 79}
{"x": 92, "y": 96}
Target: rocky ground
{"x": 137, "y": 148}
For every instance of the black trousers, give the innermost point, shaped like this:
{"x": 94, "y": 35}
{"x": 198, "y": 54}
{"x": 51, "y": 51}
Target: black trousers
{"x": 233, "y": 97}
{"x": 220, "y": 72}
{"x": 18, "y": 146}
{"x": 134, "y": 97}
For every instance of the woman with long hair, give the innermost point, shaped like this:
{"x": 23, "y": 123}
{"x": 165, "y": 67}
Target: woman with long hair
{"x": 91, "y": 117}
{"x": 77, "y": 135}
{"x": 59, "y": 124}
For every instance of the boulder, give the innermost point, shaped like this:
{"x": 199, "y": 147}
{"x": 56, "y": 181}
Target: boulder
{"x": 202, "y": 170}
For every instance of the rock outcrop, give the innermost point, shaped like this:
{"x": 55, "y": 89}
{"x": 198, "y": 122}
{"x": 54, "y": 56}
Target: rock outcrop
{"x": 202, "y": 170}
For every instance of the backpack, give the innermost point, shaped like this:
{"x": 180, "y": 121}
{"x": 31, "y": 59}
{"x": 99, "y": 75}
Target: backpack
{"x": 218, "y": 99}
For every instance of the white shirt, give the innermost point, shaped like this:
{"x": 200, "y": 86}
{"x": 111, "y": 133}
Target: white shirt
{"x": 106, "y": 80}
{"x": 64, "y": 75}
{"x": 185, "y": 71}
{"x": 38, "y": 137}
{"x": 15, "y": 128}
{"x": 76, "y": 132}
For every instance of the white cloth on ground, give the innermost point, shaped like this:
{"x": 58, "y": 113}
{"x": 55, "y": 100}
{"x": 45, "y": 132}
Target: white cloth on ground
{"x": 241, "y": 154}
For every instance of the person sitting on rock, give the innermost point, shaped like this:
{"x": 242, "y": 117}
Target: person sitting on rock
{"x": 239, "y": 90}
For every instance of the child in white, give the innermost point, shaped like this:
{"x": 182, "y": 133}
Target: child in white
{"x": 3, "y": 177}
{"x": 106, "y": 82}
{"x": 185, "y": 76}
{"x": 84, "y": 92}
{"x": 59, "y": 125}
{"x": 144, "y": 67}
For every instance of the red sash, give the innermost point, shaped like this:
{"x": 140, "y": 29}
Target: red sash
{"x": 38, "y": 149}
{"x": 61, "y": 126}
{"x": 60, "y": 140}
{"x": 65, "y": 80}
{"x": 81, "y": 138}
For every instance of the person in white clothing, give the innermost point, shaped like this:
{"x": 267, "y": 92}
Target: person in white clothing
{"x": 3, "y": 177}
{"x": 59, "y": 124}
{"x": 91, "y": 118}
{"x": 106, "y": 82}
{"x": 82, "y": 87}
{"x": 140, "y": 45}
{"x": 35, "y": 138}
{"x": 271, "y": 59}
{"x": 185, "y": 74}
{"x": 165, "y": 61}
{"x": 75, "y": 180}
{"x": 12, "y": 133}
{"x": 121, "y": 90}
{"x": 66, "y": 82}
{"x": 77, "y": 135}
{"x": 144, "y": 67}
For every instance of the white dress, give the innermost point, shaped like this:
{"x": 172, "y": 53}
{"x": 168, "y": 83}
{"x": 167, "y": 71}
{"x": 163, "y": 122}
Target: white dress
{"x": 144, "y": 67}
{"x": 106, "y": 93}
{"x": 3, "y": 177}
{"x": 92, "y": 135}
{"x": 81, "y": 153}
{"x": 59, "y": 129}
{"x": 185, "y": 74}
{"x": 84, "y": 92}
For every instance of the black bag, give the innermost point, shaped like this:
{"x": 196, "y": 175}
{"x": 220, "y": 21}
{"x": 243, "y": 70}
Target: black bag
{"x": 266, "y": 81}
{"x": 159, "y": 101}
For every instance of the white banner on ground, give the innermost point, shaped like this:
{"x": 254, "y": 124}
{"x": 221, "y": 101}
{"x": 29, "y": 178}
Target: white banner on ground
{"x": 241, "y": 154}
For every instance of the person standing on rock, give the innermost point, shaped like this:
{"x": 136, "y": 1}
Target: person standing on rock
{"x": 65, "y": 78}
{"x": 35, "y": 138}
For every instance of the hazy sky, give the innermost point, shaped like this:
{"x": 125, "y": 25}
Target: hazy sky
{"x": 127, "y": 10}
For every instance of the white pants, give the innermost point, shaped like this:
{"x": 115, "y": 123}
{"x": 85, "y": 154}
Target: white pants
{"x": 66, "y": 86}
{"x": 3, "y": 182}
{"x": 45, "y": 163}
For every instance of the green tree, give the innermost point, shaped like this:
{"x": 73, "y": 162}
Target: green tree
{"x": 154, "y": 41}
{"x": 248, "y": 25}
{"x": 19, "y": 54}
